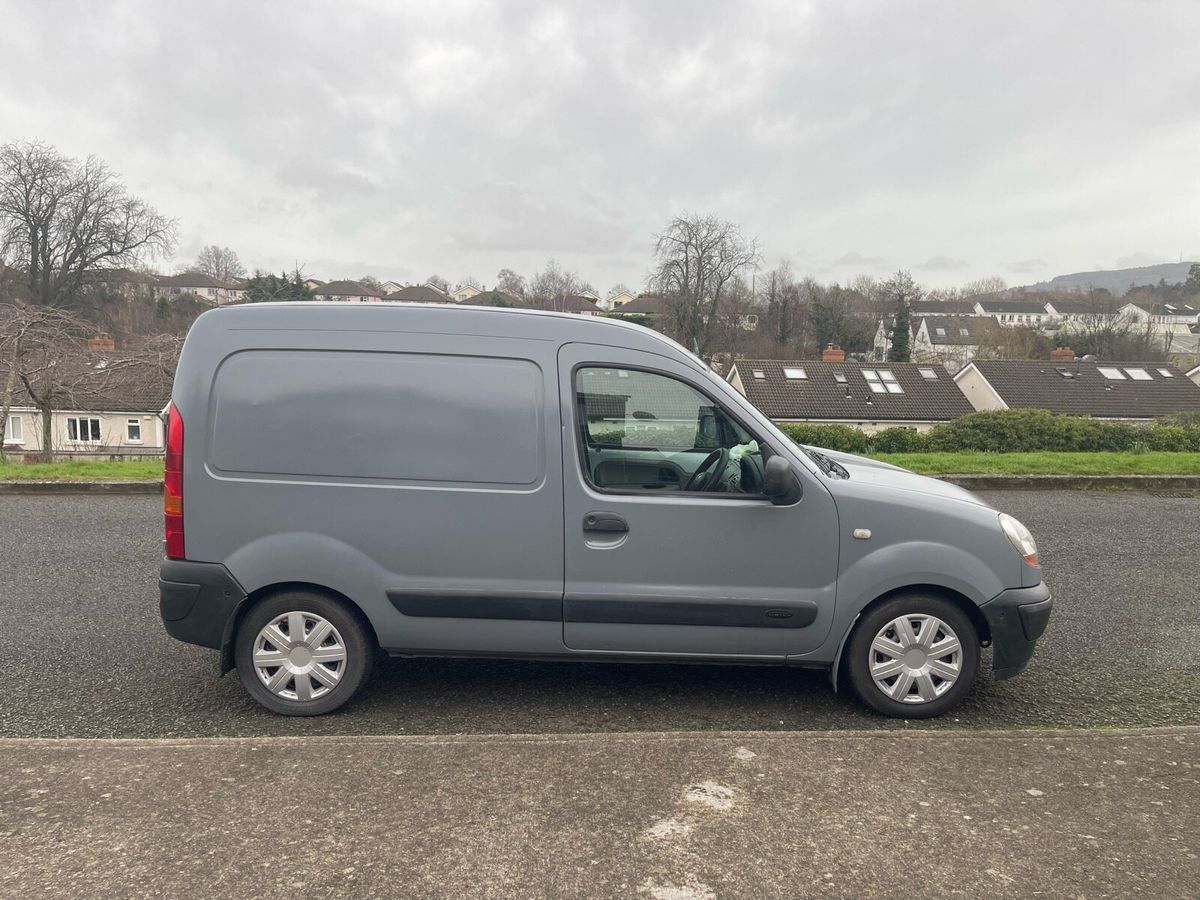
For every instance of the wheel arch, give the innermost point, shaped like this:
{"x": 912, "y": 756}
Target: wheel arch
{"x": 270, "y": 590}
{"x": 963, "y": 602}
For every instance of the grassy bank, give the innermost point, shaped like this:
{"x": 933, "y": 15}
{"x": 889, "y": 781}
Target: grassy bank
{"x": 1043, "y": 463}
{"x": 83, "y": 470}
{"x": 1047, "y": 463}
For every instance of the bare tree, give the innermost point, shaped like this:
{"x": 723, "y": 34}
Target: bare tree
{"x": 33, "y": 342}
{"x": 470, "y": 282}
{"x": 697, "y": 259}
{"x": 219, "y": 262}
{"x": 510, "y": 282}
{"x": 783, "y": 298}
{"x": 62, "y": 220}
{"x": 550, "y": 288}
{"x": 438, "y": 282}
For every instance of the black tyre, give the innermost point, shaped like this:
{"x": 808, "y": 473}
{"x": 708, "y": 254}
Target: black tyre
{"x": 301, "y": 653}
{"x": 913, "y": 657}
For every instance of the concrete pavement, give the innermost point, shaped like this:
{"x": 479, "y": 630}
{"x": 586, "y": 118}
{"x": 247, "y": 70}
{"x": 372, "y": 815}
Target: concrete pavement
{"x": 667, "y": 816}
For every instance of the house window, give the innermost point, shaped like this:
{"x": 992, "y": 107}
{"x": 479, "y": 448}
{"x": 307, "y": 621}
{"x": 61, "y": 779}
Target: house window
{"x": 839, "y": 377}
{"x": 83, "y": 430}
{"x": 964, "y": 332}
{"x": 882, "y": 381}
{"x": 1166, "y": 373}
{"x": 1110, "y": 374}
{"x": 941, "y": 332}
{"x": 928, "y": 373}
{"x": 758, "y": 373}
{"x": 14, "y": 432}
{"x": 794, "y": 374}
{"x": 133, "y": 431}
{"x": 1138, "y": 374}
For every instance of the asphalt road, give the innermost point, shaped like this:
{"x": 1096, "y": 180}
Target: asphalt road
{"x": 84, "y": 654}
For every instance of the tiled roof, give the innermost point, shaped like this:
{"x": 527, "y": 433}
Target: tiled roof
{"x": 1034, "y": 384}
{"x": 574, "y": 303}
{"x": 107, "y": 382}
{"x": 1083, "y": 306}
{"x": 347, "y": 289}
{"x": 646, "y": 305}
{"x": 419, "y": 293}
{"x": 941, "y": 308}
{"x": 977, "y": 328}
{"x": 821, "y": 396}
{"x": 1176, "y": 308}
{"x": 192, "y": 280}
{"x": 1024, "y": 307}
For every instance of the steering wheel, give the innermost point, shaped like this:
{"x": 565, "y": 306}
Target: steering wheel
{"x": 707, "y": 477}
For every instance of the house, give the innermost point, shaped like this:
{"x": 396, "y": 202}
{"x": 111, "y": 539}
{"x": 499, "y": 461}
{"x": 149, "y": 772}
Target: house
{"x": 882, "y": 344}
{"x": 313, "y": 284}
{"x": 464, "y": 292}
{"x": 114, "y": 411}
{"x": 419, "y": 293}
{"x": 1194, "y": 375}
{"x": 581, "y": 305}
{"x": 212, "y": 290}
{"x": 1149, "y": 310}
{"x": 1102, "y": 390}
{"x": 866, "y": 396}
{"x": 390, "y": 287}
{"x": 1081, "y": 310}
{"x": 953, "y": 341}
{"x": 1013, "y": 313}
{"x": 617, "y": 299}
{"x": 348, "y": 292}
{"x": 650, "y": 307}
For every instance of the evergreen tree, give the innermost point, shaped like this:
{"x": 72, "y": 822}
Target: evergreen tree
{"x": 899, "y": 351}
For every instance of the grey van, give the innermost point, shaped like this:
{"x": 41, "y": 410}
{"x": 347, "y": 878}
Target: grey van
{"x": 343, "y": 481}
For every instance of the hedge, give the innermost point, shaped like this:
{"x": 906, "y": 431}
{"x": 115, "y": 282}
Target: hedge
{"x": 1009, "y": 431}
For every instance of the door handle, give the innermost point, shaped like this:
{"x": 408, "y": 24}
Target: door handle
{"x": 605, "y": 521}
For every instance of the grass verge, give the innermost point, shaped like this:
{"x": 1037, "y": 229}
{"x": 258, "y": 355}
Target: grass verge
{"x": 83, "y": 470}
{"x": 1047, "y": 463}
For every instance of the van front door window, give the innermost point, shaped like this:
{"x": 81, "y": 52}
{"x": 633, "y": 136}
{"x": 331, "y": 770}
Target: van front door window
{"x": 643, "y": 431}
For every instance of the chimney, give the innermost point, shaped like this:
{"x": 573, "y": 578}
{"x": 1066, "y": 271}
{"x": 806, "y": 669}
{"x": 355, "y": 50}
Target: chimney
{"x": 102, "y": 343}
{"x": 1062, "y": 354}
{"x": 833, "y": 354}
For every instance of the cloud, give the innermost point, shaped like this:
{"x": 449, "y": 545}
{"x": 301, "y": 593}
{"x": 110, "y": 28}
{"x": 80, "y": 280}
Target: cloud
{"x": 1028, "y": 266}
{"x": 1133, "y": 260}
{"x": 461, "y": 136}
{"x": 856, "y": 259}
{"x": 943, "y": 263}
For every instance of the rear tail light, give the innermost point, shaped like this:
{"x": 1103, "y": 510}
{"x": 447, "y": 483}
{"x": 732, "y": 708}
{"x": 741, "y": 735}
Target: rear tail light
{"x": 173, "y": 486}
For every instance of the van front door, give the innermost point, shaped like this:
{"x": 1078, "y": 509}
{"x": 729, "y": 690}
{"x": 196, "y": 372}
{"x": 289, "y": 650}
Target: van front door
{"x": 670, "y": 546}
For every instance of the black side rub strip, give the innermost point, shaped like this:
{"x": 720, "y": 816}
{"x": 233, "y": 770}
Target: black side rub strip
{"x": 656, "y": 611}
{"x": 467, "y": 605}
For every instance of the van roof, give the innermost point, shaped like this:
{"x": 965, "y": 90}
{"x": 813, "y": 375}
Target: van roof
{"x": 460, "y": 318}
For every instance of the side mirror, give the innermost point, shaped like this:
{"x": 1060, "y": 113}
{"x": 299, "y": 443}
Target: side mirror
{"x": 780, "y": 483}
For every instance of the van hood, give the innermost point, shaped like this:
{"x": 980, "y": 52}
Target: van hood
{"x": 875, "y": 473}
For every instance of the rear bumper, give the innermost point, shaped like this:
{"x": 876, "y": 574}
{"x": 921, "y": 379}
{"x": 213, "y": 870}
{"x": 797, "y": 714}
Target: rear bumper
{"x": 1017, "y": 619}
{"x": 197, "y": 601}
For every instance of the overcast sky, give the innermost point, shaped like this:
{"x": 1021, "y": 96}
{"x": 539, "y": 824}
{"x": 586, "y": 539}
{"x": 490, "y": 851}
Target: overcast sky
{"x": 955, "y": 139}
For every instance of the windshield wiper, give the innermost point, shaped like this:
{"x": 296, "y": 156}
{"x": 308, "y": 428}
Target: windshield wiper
{"x": 827, "y": 465}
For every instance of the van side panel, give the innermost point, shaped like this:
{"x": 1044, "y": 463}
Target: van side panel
{"x": 423, "y": 466}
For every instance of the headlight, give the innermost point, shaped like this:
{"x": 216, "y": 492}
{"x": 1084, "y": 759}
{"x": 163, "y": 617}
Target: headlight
{"x": 1020, "y": 538}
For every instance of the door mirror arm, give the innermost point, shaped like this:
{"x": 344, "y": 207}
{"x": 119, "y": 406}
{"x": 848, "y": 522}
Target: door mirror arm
{"x": 780, "y": 483}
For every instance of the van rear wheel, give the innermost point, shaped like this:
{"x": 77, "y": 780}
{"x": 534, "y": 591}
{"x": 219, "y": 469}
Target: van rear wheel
{"x": 300, "y": 653}
{"x": 914, "y": 657}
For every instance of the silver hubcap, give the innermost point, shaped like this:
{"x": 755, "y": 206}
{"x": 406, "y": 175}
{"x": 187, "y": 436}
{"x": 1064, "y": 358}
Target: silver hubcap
{"x": 916, "y": 658}
{"x": 299, "y": 656}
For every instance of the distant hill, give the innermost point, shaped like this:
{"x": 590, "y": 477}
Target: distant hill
{"x": 1117, "y": 280}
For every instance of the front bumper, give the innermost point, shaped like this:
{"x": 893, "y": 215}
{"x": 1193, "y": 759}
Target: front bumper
{"x": 197, "y": 602}
{"x": 1017, "y": 619}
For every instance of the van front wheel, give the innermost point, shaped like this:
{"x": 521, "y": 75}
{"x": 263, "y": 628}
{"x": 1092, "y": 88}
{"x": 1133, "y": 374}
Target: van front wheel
{"x": 302, "y": 654}
{"x": 914, "y": 657}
